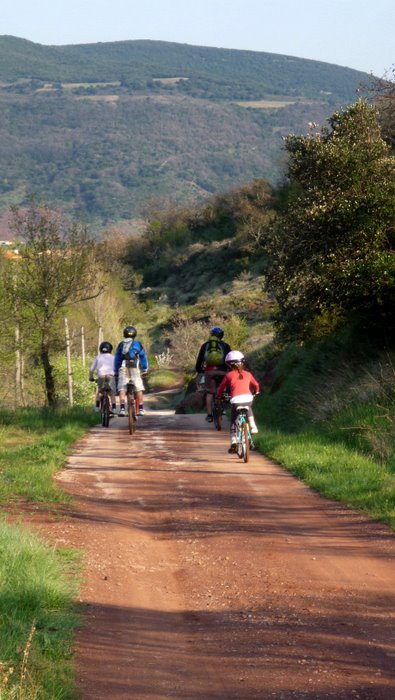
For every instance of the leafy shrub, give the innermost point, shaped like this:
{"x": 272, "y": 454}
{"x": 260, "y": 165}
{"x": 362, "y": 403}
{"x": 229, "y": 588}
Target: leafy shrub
{"x": 83, "y": 389}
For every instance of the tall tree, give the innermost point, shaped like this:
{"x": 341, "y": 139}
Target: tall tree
{"x": 333, "y": 251}
{"x": 55, "y": 267}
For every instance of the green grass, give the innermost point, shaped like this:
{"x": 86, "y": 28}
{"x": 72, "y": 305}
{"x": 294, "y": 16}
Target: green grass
{"x": 163, "y": 378}
{"x": 36, "y": 602}
{"x": 329, "y": 418}
{"x": 37, "y": 582}
{"x": 34, "y": 445}
{"x": 336, "y": 471}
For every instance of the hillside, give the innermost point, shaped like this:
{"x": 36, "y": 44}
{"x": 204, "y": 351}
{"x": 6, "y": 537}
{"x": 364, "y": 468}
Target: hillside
{"x": 99, "y": 130}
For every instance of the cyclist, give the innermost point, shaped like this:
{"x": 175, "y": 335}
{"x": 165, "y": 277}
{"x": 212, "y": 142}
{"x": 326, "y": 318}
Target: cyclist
{"x": 130, "y": 362}
{"x": 211, "y": 361}
{"x": 242, "y": 386}
{"x": 103, "y": 365}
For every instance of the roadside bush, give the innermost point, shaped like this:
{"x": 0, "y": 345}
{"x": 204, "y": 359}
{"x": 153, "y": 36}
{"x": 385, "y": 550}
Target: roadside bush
{"x": 83, "y": 389}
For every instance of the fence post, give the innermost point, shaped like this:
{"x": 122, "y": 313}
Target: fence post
{"x": 83, "y": 346}
{"x": 69, "y": 368}
{"x": 18, "y": 367}
{"x": 100, "y": 340}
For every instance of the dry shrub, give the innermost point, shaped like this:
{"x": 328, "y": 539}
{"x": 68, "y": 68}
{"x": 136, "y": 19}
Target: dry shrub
{"x": 184, "y": 341}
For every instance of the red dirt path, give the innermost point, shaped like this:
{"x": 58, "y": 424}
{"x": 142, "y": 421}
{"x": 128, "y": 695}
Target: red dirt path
{"x": 207, "y": 578}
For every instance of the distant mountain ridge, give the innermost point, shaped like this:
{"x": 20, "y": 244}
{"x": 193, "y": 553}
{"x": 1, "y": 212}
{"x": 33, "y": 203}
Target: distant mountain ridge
{"x": 100, "y": 129}
{"x": 145, "y": 59}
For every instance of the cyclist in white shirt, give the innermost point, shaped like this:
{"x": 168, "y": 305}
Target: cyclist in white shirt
{"x": 103, "y": 365}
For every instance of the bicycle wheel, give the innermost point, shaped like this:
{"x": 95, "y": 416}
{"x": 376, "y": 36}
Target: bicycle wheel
{"x": 131, "y": 415}
{"x": 239, "y": 439}
{"x": 245, "y": 440}
{"x": 217, "y": 415}
{"x": 105, "y": 411}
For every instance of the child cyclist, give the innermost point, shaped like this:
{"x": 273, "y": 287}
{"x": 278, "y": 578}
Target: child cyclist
{"x": 242, "y": 386}
{"x": 103, "y": 365}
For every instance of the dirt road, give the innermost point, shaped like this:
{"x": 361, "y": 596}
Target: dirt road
{"x": 209, "y": 579}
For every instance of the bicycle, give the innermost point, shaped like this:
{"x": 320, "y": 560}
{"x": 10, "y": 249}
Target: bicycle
{"x": 105, "y": 401}
{"x": 219, "y": 410}
{"x": 244, "y": 440}
{"x": 132, "y": 406}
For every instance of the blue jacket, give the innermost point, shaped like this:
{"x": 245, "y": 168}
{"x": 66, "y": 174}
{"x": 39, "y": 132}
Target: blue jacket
{"x": 137, "y": 348}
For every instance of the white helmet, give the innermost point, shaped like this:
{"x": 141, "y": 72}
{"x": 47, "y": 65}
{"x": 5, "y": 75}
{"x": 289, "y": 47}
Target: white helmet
{"x": 234, "y": 356}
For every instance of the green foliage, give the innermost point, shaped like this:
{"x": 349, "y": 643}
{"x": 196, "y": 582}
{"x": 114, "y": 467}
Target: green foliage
{"x": 83, "y": 389}
{"x": 332, "y": 252}
{"x": 55, "y": 267}
{"x": 236, "y": 332}
{"x": 192, "y": 250}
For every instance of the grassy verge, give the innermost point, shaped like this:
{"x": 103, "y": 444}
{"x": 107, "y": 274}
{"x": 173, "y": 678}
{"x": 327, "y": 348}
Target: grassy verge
{"x": 34, "y": 445}
{"x": 335, "y": 470}
{"x": 330, "y": 420}
{"x": 37, "y": 583}
{"x": 36, "y": 617}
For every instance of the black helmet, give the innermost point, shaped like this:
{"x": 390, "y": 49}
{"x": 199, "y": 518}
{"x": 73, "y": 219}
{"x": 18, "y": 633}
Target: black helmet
{"x": 129, "y": 332}
{"x": 219, "y": 332}
{"x": 105, "y": 346}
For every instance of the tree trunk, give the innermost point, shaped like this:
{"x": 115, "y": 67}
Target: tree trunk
{"x": 48, "y": 371}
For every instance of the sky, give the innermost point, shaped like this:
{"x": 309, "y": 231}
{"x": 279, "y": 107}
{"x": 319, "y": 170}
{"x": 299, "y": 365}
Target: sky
{"x": 354, "y": 33}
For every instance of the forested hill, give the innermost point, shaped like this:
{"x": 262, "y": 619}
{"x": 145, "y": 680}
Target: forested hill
{"x": 101, "y": 129}
{"x": 229, "y": 73}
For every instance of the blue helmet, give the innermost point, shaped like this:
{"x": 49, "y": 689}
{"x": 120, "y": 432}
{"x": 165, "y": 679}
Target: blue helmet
{"x": 219, "y": 332}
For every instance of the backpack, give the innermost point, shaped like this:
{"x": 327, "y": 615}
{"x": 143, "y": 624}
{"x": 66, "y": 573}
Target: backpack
{"x": 130, "y": 354}
{"x": 214, "y": 355}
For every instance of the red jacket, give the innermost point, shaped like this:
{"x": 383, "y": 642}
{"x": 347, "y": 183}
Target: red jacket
{"x": 236, "y": 385}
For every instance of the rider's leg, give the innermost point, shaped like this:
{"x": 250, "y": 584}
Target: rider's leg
{"x": 252, "y": 424}
{"x": 211, "y": 387}
{"x": 233, "y": 416}
{"x": 139, "y": 401}
{"x": 113, "y": 394}
{"x": 209, "y": 403}
{"x": 139, "y": 389}
{"x": 122, "y": 381}
{"x": 251, "y": 421}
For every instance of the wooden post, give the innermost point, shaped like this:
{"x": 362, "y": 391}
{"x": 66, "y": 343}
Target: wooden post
{"x": 23, "y": 397}
{"x": 83, "y": 346}
{"x": 18, "y": 367}
{"x": 100, "y": 340}
{"x": 69, "y": 368}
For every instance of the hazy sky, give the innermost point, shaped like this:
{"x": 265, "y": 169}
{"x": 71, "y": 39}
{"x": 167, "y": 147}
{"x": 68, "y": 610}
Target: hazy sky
{"x": 354, "y": 33}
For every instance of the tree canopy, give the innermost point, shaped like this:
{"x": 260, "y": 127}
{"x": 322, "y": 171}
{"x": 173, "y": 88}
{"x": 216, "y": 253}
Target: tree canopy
{"x": 332, "y": 251}
{"x": 54, "y": 267}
